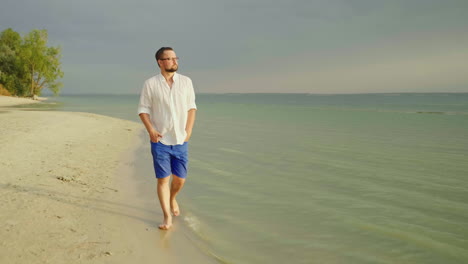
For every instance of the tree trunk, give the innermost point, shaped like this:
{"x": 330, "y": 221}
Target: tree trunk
{"x": 32, "y": 80}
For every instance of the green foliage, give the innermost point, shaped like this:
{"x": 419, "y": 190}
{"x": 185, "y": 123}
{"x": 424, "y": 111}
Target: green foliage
{"x": 11, "y": 73}
{"x": 27, "y": 65}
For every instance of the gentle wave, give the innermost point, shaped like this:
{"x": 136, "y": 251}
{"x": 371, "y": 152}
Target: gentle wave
{"x": 199, "y": 239}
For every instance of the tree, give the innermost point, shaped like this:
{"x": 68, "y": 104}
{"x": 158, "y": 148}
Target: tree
{"x": 12, "y": 75}
{"x": 41, "y": 62}
{"x": 27, "y": 65}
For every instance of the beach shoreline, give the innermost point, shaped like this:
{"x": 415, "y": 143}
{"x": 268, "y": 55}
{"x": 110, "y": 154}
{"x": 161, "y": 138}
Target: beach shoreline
{"x": 6, "y": 101}
{"x": 67, "y": 194}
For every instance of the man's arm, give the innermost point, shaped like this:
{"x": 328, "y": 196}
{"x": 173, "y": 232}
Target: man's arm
{"x": 190, "y": 122}
{"x": 154, "y": 135}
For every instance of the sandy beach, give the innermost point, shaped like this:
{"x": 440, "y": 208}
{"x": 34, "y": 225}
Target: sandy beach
{"x": 11, "y": 101}
{"x": 64, "y": 192}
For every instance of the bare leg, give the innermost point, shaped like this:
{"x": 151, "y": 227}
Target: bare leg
{"x": 176, "y": 185}
{"x": 164, "y": 195}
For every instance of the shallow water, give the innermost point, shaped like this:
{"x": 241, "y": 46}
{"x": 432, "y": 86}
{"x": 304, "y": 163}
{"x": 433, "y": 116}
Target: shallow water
{"x": 293, "y": 178}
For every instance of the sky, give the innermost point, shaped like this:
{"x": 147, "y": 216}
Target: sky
{"x": 255, "y": 46}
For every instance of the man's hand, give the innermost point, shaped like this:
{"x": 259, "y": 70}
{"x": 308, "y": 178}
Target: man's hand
{"x": 189, "y": 134}
{"x": 154, "y": 136}
{"x": 189, "y": 125}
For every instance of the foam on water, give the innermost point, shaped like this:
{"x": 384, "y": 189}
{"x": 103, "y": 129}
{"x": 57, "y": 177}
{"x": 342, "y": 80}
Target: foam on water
{"x": 193, "y": 223}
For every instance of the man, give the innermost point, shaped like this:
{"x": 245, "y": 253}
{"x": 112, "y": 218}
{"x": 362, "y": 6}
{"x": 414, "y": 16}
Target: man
{"x": 167, "y": 109}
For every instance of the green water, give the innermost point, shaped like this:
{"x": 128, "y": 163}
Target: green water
{"x": 323, "y": 178}
{"x": 334, "y": 184}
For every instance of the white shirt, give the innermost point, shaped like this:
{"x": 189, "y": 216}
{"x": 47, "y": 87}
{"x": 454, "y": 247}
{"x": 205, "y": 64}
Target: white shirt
{"x": 168, "y": 107}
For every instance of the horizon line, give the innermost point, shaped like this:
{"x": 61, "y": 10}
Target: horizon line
{"x": 375, "y": 93}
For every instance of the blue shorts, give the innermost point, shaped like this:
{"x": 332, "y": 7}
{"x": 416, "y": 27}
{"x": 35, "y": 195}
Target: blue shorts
{"x": 169, "y": 160}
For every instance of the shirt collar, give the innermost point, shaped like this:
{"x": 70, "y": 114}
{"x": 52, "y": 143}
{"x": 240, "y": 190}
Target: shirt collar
{"x": 175, "y": 77}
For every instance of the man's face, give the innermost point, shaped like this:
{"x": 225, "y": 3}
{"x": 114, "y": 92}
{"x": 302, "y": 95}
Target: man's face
{"x": 168, "y": 61}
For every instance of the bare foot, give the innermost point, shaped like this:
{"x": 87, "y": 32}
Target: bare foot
{"x": 175, "y": 208}
{"x": 167, "y": 224}
{"x": 164, "y": 226}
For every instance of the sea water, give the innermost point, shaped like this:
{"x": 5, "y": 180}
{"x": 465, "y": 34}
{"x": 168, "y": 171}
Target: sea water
{"x": 303, "y": 178}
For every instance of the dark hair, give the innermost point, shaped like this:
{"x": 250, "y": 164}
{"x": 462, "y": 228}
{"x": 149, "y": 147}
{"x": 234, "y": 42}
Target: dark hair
{"x": 160, "y": 52}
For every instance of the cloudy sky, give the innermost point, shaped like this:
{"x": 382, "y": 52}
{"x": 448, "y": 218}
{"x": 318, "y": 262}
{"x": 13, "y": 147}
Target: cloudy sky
{"x": 304, "y": 46}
